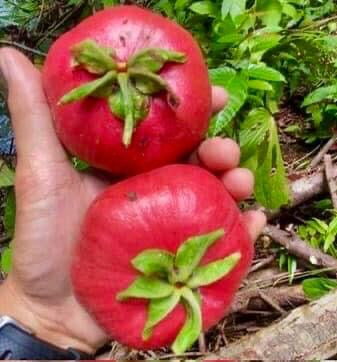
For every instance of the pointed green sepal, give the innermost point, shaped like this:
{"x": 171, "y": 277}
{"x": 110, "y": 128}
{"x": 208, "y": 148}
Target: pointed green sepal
{"x": 213, "y": 272}
{"x": 159, "y": 309}
{"x": 192, "y": 329}
{"x": 192, "y": 251}
{"x": 93, "y": 57}
{"x": 146, "y": 288}
{"x": 154, "y": 262}
{"x": 89, "y": 89}
{"x": 153, "y": 59}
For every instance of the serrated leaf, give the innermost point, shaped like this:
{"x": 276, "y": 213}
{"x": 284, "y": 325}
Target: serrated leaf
{"x": 7, "y": 175}
{"x": 271, "y": 189}
{"x": 147, "y": 288}
{"x": 159, "y": 309}
{"x": 192, "y": 329}
{"x": 154, "y": 262}
{"x": 213, "y": 272}
{"x": 192, "y": 251}
{"x": 270, "y": 11}
{"x": 263, "y": 72}
{"x": 315, "y": 288}
{"x": 321, "y": 94}
{"x": 204, "y": 8}
{"x": 236, "y": 84}
{"x": 260, "y": 85}
{"x": 233, "y": 8}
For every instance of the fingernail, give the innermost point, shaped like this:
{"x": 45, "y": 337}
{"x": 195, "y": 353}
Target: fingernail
{"x": 3, "y": 77}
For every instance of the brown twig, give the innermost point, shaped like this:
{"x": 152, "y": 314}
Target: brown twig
{"x": 319, "y": 157}
{"x": 331, "y": 179}
{"x": 202, "y": 343}
{"x": 300, "y": 248}
{"x": 271, "y": 301}
{"x": 22, "y": 46}
{"x": 263, "y": 263}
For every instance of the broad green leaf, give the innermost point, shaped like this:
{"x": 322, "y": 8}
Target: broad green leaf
{"x": 236, "y": 84}
{"x": 271, "y": 189}
{"x": 260, "y": 85}
{"x": 10, "y": 212}
{"x": 154, "y": 262}
{"x": 270, "y": 10}
{"x": 204, "y": 8}
{"x": 213, "y": 272}
{"x": 192, "y": 251}
{"x": 93, "y": 57}
{"x": 321, "y": 94}
{"x": 7, "y": 175}
{"x": 6, "y": 260}
{"x": 263, "y": 72}
{"x": 233, "y": 8}
{"x": 147, "y": 288}
{"x": 331, "y": 234}
{"x": 193, "y": 325}
{"x": 315, "y": 288}
{"x": 159, "y": 309}
{"x": 153, "y": 59}
{"x": 264, "y": 42}
{"x": 88, "y": 89}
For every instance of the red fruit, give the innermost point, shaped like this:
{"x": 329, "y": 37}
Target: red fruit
{"x": 161, "y": 99}
{"x": 159, "y": 210}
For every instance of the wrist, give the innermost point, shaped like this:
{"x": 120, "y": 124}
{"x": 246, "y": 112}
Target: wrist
{"x": 49, "y": 324}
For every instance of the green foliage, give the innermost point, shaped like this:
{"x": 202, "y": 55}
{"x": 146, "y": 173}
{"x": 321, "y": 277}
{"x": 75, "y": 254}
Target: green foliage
{"x": 7, "y": 175}
{"x": 315, "y": 288}
{"x": 261, "y": 51}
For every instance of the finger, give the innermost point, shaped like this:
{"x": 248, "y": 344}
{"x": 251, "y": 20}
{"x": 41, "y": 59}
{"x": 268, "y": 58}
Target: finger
{"x": 255, "y": 222}
{"x": 31, "y": 118}
{"x": 220, "y": 99}
{"x": 239, "y": 182}
{"x": 219, "y": 154}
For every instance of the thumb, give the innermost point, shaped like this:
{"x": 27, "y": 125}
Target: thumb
{"x": 31, "y": 118}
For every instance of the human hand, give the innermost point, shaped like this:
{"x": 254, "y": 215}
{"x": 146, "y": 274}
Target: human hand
{"x": 52, "y": 199}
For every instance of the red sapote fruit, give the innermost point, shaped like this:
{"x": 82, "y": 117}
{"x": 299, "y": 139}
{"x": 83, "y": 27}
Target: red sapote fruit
{"x": 129, "y": 90}
{"x": 161, "y": 256}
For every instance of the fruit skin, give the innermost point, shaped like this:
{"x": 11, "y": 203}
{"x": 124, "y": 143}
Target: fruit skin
{"x": 156, "y": 210}
{"x": 88, "y": 129}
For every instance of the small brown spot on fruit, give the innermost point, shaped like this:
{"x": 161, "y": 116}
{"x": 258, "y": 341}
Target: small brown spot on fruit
{"x": 125, "y": 21}
{"x": 132, "y": 196}
{"x": 122, "y": 40}
{"x": 173, "y": 101}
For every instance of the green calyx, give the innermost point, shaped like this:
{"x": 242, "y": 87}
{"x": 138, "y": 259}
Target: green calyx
{"x": 127, "y": 86}
{"x": 169, "y": 279}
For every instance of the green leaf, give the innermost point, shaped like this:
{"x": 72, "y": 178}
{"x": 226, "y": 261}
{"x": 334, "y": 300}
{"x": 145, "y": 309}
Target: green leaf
{"x": 192, "y": 251}
{"x": 88, "y": 89}
{"x": 315, "y": 288}
{"x": 147, "y": 288}
{"x": 236, "y": 85}
{"x": 6, "y": 260}
{"x": 292, "y": 267}
{"x": 193, "y": 325}
{"x": 331, "y": 234}
{"x": 260, "y": 85}
{"x": 271, "y": 11}
{"x": 233, "y": 8}
{"x": 204, "y": 8}
{"x": 321, "y": 94}
{"x": 254, "y": 130}
{"x": 79, "y": 165}
{"x": 213, "y": 272}
{"x": 271, "y": 174}
{"x": 154, "y": 262}
{"x": 10, "y": 213}
{"x": 93, "y": 57}
{"x": 159, "y": 309}
{"x": 153, "y": 59}
{"x": 264, "y": 72}
{"x": 7, "y": 175}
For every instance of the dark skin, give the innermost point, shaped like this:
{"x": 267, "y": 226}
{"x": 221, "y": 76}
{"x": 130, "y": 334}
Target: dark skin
{"x": 52, "y": 199}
